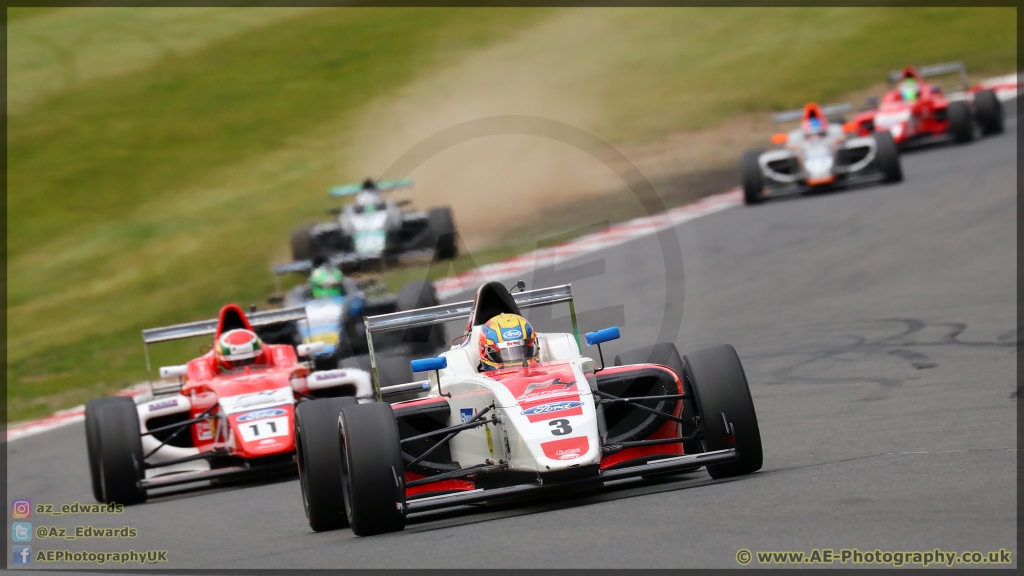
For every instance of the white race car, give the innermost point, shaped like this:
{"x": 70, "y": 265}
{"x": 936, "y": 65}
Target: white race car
{"x": 560, "y": 424}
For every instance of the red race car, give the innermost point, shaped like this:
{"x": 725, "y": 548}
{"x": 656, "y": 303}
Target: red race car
{"x": 231, "y": 411}
{"x": 918, "y": 112}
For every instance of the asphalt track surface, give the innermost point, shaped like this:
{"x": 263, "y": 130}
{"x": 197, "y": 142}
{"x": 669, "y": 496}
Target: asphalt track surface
{"x": 878, "y": 328}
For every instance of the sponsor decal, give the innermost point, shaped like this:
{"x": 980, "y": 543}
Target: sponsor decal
{"x": 261, "y": 414}
{"x": 326, "y": 375}
{"x": 566, "y": 449}
{"x": 204, "y": 431}
{"x": 154, "y": 406}
{"x": 511, "y": 334}
{"x": 268, "y": 441}
{"x": 550, "y": 387}
{"x": 551, "y": 407}
{"x": 256, "y": 400}
{"x": 466, "y": 414}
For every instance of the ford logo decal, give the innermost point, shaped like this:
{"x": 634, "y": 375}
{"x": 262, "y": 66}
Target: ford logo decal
{"x": 261, "y": 414}
{"x": 552, "y": 407}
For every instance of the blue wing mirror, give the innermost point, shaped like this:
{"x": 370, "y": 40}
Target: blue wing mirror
{"x": 598, "y": 337}
{"x": 601, "y": 336}
{"x": 429, "y": 364}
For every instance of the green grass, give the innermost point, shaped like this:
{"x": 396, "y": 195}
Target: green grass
{"x": 152, "y": 194}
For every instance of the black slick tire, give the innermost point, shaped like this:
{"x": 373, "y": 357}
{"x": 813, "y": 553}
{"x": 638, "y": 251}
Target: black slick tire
{"x": 960, "y": 124}
{"x": 301, "y": 243}
{"x": 989, "y": 112}
{"x": 720, "y": 386}
{"x": 887, "y": 157}
{"x": 119, "y": 450}
{"x": 753, "y": 179}
{"x": 421, "y": 294}
{"x": 372, "y": 471}
{"x": 318, "y": 453}
{"x": 442, "y": 232}
{"x": 92, "y": 438}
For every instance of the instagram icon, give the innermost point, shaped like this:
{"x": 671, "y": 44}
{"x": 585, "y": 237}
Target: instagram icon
{"x": 21, "y": 509}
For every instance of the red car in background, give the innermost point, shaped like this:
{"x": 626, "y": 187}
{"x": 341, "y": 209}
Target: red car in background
{"x": 917, "y": 112}
{"x": 205, "y": 422}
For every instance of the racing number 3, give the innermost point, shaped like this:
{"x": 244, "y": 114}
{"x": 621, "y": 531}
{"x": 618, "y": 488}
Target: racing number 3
{"x": 560, "y": 427}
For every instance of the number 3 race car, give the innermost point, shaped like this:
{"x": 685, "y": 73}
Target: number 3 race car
{"x": 562, "y": 423}
{"x": 818, "y": 155}
{"x": 211, "y": 424}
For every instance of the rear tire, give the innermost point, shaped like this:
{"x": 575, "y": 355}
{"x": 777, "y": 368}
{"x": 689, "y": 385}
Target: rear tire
{"x": 960, "y": 125}
{"x": 318, "y": 453}
{"x": 92, "y": 438}
{"x": 120, "y": 453}
{"x": 887, "y": 157}
{"x": 372, "y": 470}
{"x": 442, "y": 232}
{"x": 666, "y": 354}
{"x": 302, "y": 244}
{"x": 753, "y": 179}
{"x": 421, "y": 294}
{"x": 989, "y": 112}
{"x": 720, "y": 387}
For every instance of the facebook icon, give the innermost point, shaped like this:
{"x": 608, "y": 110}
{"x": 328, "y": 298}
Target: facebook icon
{"x": 21, "y": 555}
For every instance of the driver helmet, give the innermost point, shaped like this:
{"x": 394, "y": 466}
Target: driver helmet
{"x": 506, "y": 341}
{"x": 325, "y": 281}
{"x": 814, "y": 126}
{"x": 910, "y": 90}
{"x": 237, "y": 348}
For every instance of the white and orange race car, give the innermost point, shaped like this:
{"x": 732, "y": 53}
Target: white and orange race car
{"x": 206, "y": 423}
{"x": 563, "y": 422}
{"x": 819, "y": 154}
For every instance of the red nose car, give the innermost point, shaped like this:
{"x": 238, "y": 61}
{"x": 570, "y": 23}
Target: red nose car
{"x": 928, "y": 114}
{"x": 210, "y": 424}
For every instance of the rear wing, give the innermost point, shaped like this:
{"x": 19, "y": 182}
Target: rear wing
{"x": 207, "y": 327}
{"x": 936, "y": 70}
{"x": 382, "y": 186}
{"x": 459, "y": 311}
{"x": 831, "y": 111}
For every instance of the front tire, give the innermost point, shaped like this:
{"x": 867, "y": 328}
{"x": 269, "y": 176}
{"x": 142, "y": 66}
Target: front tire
{"x": 989, "y": 112}
{"x": 372, "y": 471}
{"x": 442, "y": 231}
{"x": 318, "y": 453}
{"x": 301, "y": 242}
{"x": 421, "y": 294}
{"x": 960, "y": 125}
{"x": 753, "y": 179}
{"x": 887, "y": 157}
{"x": 720, "y": 387}
{"x": 92, "y": 438}
{"x": 120, "y": 453}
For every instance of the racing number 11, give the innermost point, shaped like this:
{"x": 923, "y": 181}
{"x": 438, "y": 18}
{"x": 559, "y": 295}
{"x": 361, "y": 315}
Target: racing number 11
{"x": 560, "y": 427}
{"x": 256, "y": 428}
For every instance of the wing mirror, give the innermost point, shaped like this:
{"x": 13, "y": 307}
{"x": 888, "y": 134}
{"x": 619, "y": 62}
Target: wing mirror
{"x": 851, "y": 127}
{"x": 310, "y": 349}
{"x": 336, "y": 211}
{"x": 429, "y": 364}
{"x": 780, "y": 138}
{"x": 598, "y": 337}
{"x": 173, "y": 371}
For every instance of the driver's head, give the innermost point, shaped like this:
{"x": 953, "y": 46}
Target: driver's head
{"x": 506, "y": 341}
{"x": 325, "y": 281}
{"x": 237, "y": 348}
{"x": 910, "y": 90}
{"x": 814, "y": 126}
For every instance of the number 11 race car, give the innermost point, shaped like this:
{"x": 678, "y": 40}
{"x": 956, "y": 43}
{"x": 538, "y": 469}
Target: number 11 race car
{"x": 556, "y": 421}
{"x": 230, "y": 414}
